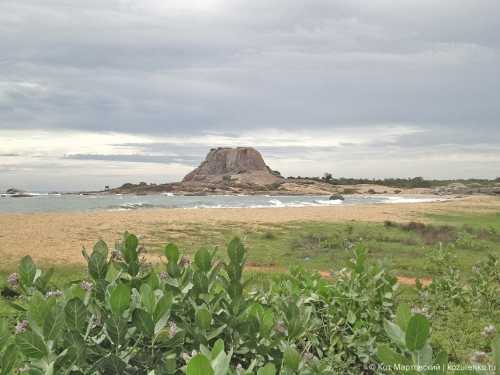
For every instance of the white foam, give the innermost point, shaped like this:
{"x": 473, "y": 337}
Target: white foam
{"x": 276, "y": 203}
{"x": 412, "y": 200}
{"x": 135, "y": 206}
{"x": 328, "y": 202}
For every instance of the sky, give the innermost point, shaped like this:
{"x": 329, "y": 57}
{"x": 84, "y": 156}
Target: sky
{"x": 103, "y": 92}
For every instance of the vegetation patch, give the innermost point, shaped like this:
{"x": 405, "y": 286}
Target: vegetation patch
{"x": 202, "y": 316}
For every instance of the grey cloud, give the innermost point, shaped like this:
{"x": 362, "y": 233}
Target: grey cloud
{"x": 134, "y": 67}
{"x": 164, "y": 159}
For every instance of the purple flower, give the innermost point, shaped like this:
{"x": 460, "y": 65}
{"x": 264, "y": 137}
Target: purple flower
{"x": 116, "y": 255}
{"x": 163, "y": 276}
{"x": 308, "y": 356}
{"x": 22, "y": 326}
{"x": 489, "y": 331}
{"x": 421, "y": 310}
{"x": 186, "y": 357}
{"x": 86, "y": 285}
{"x": 54, "y": 293}
{"x": 172, "y": 329}
{"x": 280, "y": 327}
{"x": 184, "y": 261}
{"x": 479, "y": 357}
{"x": 13, "y": 279}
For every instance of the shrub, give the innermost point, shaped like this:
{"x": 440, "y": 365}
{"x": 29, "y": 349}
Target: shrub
{"x": 203, "y": 317}
{"x": 268, "y": 235}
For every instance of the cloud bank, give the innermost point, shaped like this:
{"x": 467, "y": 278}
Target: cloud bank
{"x": 109, "y": 91}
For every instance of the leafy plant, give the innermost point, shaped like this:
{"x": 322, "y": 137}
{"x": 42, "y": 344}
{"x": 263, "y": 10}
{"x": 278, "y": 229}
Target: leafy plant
{"x": 204, "y": 316}
{"x": 409, "y": 350}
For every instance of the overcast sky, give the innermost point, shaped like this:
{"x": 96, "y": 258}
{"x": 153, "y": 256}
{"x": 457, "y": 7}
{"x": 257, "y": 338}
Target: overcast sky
{"x": 102, "y": 92}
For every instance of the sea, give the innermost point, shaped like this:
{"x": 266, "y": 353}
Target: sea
{"x": 79, "y": 203}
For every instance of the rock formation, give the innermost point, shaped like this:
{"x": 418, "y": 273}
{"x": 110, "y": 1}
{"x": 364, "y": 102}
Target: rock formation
{"x": 241, "y": 165}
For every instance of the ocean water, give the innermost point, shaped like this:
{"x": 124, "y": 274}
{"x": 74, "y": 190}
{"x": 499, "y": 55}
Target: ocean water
{"x": 66, "y": 203}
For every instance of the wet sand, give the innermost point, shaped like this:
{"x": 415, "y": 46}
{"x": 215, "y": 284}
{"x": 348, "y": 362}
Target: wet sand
{"x": 58, "y": 237}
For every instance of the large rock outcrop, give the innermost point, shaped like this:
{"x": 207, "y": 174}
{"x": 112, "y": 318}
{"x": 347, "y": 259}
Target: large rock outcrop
{"x": 243, "y": 165}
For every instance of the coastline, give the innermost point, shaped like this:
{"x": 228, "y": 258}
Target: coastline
{"x": 58, "y": 237}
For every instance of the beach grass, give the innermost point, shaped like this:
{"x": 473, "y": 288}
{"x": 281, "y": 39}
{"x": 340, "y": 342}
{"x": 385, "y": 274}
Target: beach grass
{"x": 324, "y": 246}
{"x": 403, "y": 248}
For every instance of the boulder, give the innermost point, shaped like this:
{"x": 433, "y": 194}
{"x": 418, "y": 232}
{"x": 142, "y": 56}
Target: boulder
{"x": 230, "y": 166}
{"x": 14, "y": 191}
{"x": 336, "y": 197}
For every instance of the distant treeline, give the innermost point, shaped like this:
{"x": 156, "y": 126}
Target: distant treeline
{"x": 414, "y": 182}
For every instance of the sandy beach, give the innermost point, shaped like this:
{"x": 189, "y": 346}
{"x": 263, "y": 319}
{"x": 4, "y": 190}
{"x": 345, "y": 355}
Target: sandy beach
{"x": 59, "y": 237}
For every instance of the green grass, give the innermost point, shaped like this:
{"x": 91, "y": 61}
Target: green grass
{"x": 322, "y": 246}
{"x": 475, "y": 220}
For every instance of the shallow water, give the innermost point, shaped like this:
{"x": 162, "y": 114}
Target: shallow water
{"x": 64, "y": 203}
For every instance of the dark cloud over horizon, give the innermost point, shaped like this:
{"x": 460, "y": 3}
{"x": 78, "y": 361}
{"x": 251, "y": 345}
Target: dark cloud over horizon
{"x": 224, "y": 70}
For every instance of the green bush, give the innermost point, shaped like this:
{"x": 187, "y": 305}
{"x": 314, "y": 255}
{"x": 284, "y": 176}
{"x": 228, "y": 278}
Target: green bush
{"x": 203, "y": 317}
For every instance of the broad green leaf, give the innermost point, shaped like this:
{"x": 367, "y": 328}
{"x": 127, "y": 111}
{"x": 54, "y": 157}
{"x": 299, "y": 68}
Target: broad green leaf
{"x": 16, "y": 306}
{"x": 173, "y": 269}
{"x": 221, "y": 363}
{"x": 424, "y": 356}
{"x": 43, "y": 280}
{"x": 153, "y": 281}
{"x": 203, "y": 259}
{"x": 403, "y": 316}
{"x": 236, "y": 251}
{"x": 394, "y": 332}
{"x": 216, "y": 332}
{"x": 291, "y": 358}
{"x": 203, "y": 318}
{"x": 351, "y": 317}
{"x": 75, "y": 315}
{"x": 172, "y": 253}
{"x": 217, "y": 348}
{"x": 52, "y": 325}
{"x": 171, "y": 363}
{"x": 129, "y": 249}
{"x": 4, "y": 333}
{"x": 199, "y": 365}
{"x": 39, "y": 308}
{"x": 417, "y": 332}
{"x": 148, "y": 298}
{"x": 119, "y": 300}
{"x": 75, "y": 344}
{"x": 35, "y": 371}
{"x": 101, "y": 247}
{"x": 27, "y": 271}
{"x": 143, "y": 321}
{"x": 111, "y": 365}
{"x": 388, "y": 356}
{"x": 162, "y": 307}
{"x": 200, "y": 281}
{"x": 266, "y": 322}
{"x": 268, "y": 369}
{"x": 9, "y": 359}
{"x": 112, "y": 274}
{"x": 134, "y": 267}
{"x": 442, "y": 362}
{"x": 116, "y": 328}
{"x": 98, "y": 261}
{"x": 31, "y": 345}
